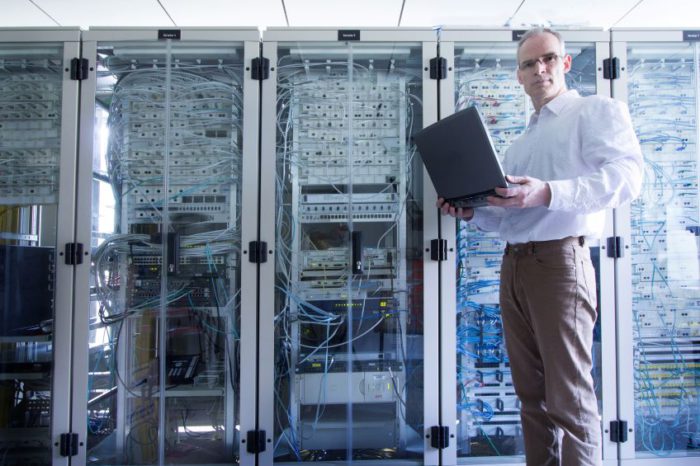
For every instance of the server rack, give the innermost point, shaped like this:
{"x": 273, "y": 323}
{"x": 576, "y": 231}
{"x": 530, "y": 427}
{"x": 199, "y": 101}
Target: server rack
{"x": 38, "y": 131}
{"x": 659, "y": 290}
{"x": 648, "y": 297}
{"x": 169, "y": 140}
{"x": 350, "y": 212}
{"x": 485, "y": 411}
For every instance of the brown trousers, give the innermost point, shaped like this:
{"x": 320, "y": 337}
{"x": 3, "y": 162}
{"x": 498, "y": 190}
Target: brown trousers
{"x": 548, "y": 306}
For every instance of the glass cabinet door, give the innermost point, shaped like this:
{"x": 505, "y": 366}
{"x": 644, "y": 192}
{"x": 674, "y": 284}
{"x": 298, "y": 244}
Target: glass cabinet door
{"x": 488, "y": 411}
{"x": 662, "y": 91}
{"x": 163, "y": 372}
{"x": 348, "y": 309}
{"x": 38, "y": 103}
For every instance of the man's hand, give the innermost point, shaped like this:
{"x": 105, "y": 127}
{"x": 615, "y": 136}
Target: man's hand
{"x": 530, "y": 192}
{"x": 465, "y": 213}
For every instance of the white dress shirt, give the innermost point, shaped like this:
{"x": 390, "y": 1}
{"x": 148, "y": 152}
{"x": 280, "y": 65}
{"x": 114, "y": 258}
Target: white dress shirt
{"x": 586, "y": 149}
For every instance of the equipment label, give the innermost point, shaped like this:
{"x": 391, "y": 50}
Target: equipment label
{"x": 349, "y": 34}
{"x": 691, "y": 36}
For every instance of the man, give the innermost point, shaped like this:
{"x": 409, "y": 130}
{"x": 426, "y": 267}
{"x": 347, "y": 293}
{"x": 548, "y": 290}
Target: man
{"x": 578, "y": 157}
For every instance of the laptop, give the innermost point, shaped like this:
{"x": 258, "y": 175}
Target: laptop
{"x": 460, "y": 158}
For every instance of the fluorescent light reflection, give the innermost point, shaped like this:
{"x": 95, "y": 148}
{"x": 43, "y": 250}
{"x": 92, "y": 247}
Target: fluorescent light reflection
{"x": 199, "y": 429}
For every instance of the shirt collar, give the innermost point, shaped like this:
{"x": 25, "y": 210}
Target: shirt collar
{"x": 557, "y": 104}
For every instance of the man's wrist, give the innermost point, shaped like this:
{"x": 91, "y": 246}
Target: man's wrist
{"x": 548, "y": 194}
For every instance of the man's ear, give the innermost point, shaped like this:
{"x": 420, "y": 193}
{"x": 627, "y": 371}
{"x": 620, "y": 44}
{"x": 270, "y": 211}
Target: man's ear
{"x": 566, "y": 61}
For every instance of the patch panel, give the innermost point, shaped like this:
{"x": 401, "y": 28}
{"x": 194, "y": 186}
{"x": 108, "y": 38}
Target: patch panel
{"x": 30, "y": 122}
{"x": 331, "y": 262}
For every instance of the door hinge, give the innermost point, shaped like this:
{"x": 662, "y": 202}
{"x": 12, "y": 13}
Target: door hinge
{"x": 438, "y": 249}
{"x": 439, "y": 437}
{"x": 618, "y": 431}
{"x": 611, "y": 68}
{"x": 79, "y": 69}
{"x": 69, "y": 444}
{"x": 257, "y": 252}
{"x": 255, "y": 440}
{"x": 615, "y": 247}
{"x": 438, "y": 68}
{"x": 260, "y": 68}
{"x": 74, "y": 253}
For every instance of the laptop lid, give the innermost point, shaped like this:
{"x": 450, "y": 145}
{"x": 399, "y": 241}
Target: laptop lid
{"x": 460, "y": 158}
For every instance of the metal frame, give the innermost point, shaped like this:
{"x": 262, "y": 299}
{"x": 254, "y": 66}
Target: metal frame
{"x": 248, "y": 38}
{"x": 62, "y": 331}
{"x": 83, "y": 235}
{"x": 447, "y": 285}
{"x": 250, "y": 272}
{"x": 266, "y": 310}
{"x": 434, "y": 319}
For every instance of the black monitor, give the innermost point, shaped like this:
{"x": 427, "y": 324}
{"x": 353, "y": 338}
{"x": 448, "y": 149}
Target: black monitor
{"x": 26, "y": 290}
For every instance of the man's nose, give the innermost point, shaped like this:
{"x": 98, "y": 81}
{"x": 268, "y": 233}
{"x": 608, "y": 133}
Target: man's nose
{"x": 541, "y": 66}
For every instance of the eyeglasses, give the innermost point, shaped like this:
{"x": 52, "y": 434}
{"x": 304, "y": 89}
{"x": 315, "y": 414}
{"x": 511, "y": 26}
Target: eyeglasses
{"x": 548, "y": 60}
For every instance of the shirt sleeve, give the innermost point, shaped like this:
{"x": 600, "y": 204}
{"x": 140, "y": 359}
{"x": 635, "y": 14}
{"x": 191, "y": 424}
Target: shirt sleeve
{"x": 487, "y": 218}
{"x": 610, "y": 147}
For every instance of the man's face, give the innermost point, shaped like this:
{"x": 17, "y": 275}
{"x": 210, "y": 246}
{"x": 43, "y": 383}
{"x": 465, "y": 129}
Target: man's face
{"x": 541, "y": 68}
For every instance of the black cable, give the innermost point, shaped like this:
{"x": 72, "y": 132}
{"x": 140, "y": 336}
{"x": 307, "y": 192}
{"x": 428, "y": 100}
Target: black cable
{"x": 45, "y": 12}
{"x": 403, "y": 4}
{"x": 284, "y": 9}
{"x": 166, "y": 12}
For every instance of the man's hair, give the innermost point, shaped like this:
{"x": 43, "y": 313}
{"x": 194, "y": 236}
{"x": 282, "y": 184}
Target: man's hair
{"x": 536, "y": 31}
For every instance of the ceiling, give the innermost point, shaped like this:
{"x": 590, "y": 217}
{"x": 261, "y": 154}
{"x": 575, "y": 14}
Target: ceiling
{"x": 353, "y": 13}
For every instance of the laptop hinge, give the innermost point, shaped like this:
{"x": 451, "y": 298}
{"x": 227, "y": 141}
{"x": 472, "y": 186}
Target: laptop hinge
{"x": 438, "y": 249}
{"x": 438, "y": 68}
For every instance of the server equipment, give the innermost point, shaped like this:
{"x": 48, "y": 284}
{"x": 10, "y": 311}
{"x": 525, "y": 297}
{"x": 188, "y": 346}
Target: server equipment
{"x": 165, "y": 269}
{"x": 346, "y": 272}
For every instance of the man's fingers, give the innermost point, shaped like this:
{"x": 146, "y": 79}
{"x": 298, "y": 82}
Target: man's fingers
{"x": 496, "y": 201}
{"x": 504, "y": 192}
{"x": 513, "y": 201}
{"x": 516, "y": 179}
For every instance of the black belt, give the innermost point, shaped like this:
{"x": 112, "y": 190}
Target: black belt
{"x": 532, "y": 246}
